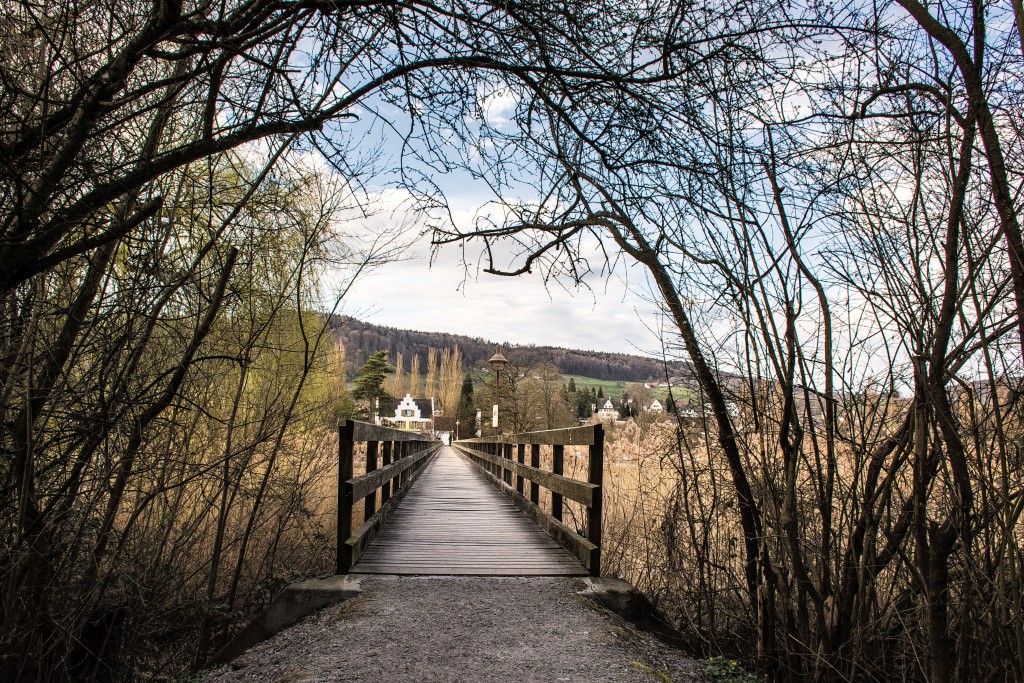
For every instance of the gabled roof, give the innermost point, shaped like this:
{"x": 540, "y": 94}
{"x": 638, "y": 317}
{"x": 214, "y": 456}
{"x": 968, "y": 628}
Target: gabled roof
{"x": 424, "y": 405}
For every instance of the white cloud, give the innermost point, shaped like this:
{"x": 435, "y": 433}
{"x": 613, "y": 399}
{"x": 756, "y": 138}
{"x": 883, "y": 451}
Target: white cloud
{"x": 454, "y": 296}
{"x": 498, "y": 106}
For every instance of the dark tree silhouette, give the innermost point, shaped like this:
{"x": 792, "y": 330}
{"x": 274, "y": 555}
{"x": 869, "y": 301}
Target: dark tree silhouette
{"x": 369, "y": 390}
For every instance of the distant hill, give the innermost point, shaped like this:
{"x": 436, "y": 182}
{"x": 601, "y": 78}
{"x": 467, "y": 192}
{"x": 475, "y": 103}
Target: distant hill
{"x": 362, "y": 339}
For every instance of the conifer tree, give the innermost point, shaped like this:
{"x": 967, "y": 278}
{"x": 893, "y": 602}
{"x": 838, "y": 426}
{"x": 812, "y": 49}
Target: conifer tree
{"x": 466, "y": 414}
{"x": 370, "y": 383}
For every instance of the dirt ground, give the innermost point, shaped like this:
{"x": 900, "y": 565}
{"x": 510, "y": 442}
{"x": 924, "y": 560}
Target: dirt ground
{"x": 439, "y": 629}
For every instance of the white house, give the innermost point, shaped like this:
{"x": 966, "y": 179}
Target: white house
{"x": 656, "y": 407}
{"x": 689, "y": 410}
{"x": 412, "y": 413}
{"x": 607, "y": 410}
{"x": 695, "y": 410}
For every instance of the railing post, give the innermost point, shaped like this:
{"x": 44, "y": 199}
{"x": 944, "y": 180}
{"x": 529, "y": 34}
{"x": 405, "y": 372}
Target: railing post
{"x": 345, "y": 436}
{"x": 596, "y": 477}
{"x": 495, "y": 456}
{"x": 506, "y": 454}
{"x": 535, "y": 462}
{"x": 385, "y": 459}
{"x": 521, "y": 459}
{"x": 411, "y": 447}
{"x": 557, "y": 465}
{"x": 371, "y": 465}
{"x": 403, "y": 452}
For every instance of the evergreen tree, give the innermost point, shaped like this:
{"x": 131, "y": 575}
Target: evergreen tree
{"x": 600, "y": 392}
{"x": 466, "y": 413}
{"x": 572, "y": 386}
{"x": 626, "y": 409}
{"x": 584, "y": 407}
{"x": 370, "y": 384}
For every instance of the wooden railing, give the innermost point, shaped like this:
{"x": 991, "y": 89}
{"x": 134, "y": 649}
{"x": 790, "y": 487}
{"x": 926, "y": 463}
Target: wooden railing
{"x": 494, "y": 456}
{"x": 402, "y": 456}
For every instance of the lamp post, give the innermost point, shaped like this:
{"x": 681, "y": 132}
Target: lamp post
{"x": 497, "y": 362}
{"x": 456, "y": 430}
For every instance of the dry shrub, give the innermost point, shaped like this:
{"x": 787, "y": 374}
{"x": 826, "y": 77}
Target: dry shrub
{"x": 671, "y": 528}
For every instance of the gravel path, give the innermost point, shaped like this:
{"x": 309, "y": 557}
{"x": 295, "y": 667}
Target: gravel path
{"x": 436, "y": 628}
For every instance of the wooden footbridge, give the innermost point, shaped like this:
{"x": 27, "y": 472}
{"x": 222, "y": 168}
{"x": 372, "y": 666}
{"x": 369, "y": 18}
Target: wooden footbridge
{"x": 423, "y": 508}
{"x": 454, "y": 517}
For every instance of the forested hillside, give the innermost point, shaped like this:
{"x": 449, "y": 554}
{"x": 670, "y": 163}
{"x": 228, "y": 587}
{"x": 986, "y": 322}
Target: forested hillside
{"x": 362, "y": 339}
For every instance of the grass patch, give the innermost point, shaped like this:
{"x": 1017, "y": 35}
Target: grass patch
{"x": 725, "y": 670}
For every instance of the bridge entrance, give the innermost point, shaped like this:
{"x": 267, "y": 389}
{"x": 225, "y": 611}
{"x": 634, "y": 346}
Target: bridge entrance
{"x": 459, "y": 510}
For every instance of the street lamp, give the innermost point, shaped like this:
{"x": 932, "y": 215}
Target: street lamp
{"x": 497, "y": 362}
{"x": 456, "y": 430}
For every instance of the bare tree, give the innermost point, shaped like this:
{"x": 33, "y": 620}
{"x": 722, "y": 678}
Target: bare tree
{"x": 163, "y": 236}
{"x": 813, "y": 224}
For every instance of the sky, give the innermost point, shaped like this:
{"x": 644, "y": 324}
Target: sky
{"x": 444, "y": 295}
{"x": 614, "y": 315}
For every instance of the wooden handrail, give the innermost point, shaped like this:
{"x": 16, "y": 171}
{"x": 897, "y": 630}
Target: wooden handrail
{"x": 568, "y": 436}
{"x": 573, "y": 489}
{"x": 494, "y": 457}
{"x": 404, "y": 456}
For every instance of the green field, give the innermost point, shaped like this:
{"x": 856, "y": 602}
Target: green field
{"x": 614, "y": 388}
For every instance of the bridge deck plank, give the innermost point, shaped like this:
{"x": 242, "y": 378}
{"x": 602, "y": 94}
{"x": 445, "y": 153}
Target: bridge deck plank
{"x": 454, "y": 522}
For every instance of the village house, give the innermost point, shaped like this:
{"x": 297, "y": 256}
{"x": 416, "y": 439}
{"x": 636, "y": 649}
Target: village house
{"x": 607, "y": 411}
{"x": 689, "y": 410}
{"x": 415, "y": 414}
{"x": 695, "y": 410}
